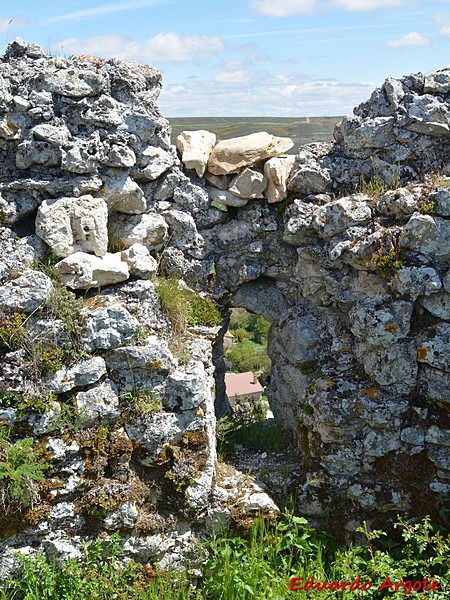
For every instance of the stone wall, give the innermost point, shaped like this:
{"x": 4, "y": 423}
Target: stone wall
{"x": 356, "y": 287}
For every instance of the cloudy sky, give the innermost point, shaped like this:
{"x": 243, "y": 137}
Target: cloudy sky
{"x": 247, "y": 57}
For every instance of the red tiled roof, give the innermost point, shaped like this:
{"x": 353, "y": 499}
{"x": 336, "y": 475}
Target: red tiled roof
{"x": 241, "y": 384}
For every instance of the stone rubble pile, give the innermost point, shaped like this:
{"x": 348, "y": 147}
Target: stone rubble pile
{"x": 351, "y": 269}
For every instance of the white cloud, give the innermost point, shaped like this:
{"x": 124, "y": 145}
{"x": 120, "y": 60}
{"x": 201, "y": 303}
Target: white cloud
{"x": 163, "y": 48}
{"x": 262, "y": 93}
{"x": 413, "y": 38}
{"x": 368, "y": 4}
{"x": 443, "y": 22}
{"x": 104, "y": 9}
{"x": 13, "y": 23}
{"x": 283, "y": 8}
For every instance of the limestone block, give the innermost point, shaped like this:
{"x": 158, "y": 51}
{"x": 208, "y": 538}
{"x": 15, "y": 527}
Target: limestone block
{"x": 337, "y": 216}
{"x": 394, "y": 367}
{"x": 249, "y": 184}
{"x": 85, "y": 372}
{"x": 441, "y": 199}
{"x": 298, "y": 222}
{"x": 73, "y": 83}
{"x": 433, "y": 346}
{"x": 229, "y": 156}
{"x": 428, "y": 235}
{"x": 140, "y": 262}
{"x": 71, "y": 225}
{"x": 98, "y": 404}
{"x": 437, "y": 304}
{"x": 429, "y": 116}
{"x": 109, "y": 327}
{"x": 79, "y": 159}
{"x": 82, "y": 271}
{"x": 278, "y": 170}
{"x": 195, "y": 148}
{"x": 156, "y": 161}
{"x": 54, "y": 135}
{"x": 397, "y": 202}
{"x": 225, "y": 197}
{"x": 122, "y": 194}
{"x": 27, "y": 292}
{"x": 414, "y": 281}
{"x": 148, "y": 229}
{"x": 120, "y": 156}
{"x": 381, "y": 325}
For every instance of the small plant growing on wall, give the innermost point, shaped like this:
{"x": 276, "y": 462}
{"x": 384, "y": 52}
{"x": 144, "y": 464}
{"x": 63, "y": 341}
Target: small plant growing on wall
{"x": 388, "y": 257}
{"x": 20, "y": 469}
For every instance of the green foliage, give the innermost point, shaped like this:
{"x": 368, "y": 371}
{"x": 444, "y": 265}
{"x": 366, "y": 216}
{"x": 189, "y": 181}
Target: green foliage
{"x": 9, "y": 399}
{"x": 203, "y": 311}
{"x": 186, "y": 307}
{"x": 251, "y": 433}
{"x": 427, "y": 206}
{"x": 19, "y": 469}
{"x": 256, "y": 566}
{"x": 12, "y": 330}
{"x": 387, "y": 261}
{"x": 374, "y": 185}
{"x": 249, "y": 356}
{"x": 143, "y": 401}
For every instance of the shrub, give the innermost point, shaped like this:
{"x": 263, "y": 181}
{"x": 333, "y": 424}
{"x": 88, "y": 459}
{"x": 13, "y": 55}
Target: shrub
{"x": 12, "y": 330}
{"x": 186, "y": 307}
{"x": 19, "y": 470}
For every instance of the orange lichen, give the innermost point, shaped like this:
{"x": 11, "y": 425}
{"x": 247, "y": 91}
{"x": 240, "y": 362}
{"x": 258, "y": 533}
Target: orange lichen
{"x": 371, "y": 392}
{"x": 421, "y": 353}
{"x": 391, "y": 328}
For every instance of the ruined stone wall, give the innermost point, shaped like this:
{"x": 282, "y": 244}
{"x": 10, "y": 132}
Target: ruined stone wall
{"x": 356, "y": 288}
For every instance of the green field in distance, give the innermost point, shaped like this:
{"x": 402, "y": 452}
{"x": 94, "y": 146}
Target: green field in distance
{"x": 303, "y": 130}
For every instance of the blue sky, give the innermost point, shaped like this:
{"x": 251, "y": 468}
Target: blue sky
{"x": 247, "y": 57}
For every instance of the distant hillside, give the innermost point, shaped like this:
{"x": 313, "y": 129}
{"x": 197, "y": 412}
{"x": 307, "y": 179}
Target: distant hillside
{"x": 303, "y": 130}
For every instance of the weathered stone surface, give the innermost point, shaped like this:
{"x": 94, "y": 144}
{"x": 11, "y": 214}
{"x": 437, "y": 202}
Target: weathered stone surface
{"x": 413, "y": 281}
{"x": 99, "y": 404}
{"x": 441, "y": 200}
{"x": 150, "y": 230}
{"x": 428, "y": 235}
{"x": 109, "y": 327}
{"x": 278, "y": 171}
{"x": 122, "y": 194}
{"x": 228, "y": 156}
{"x": 195, "y": 148}
{"x": 337, "y": 216}
{"x": 71, "y": 225}
{"x": 249, "y": 184}
{"x": 308, "y": 177}
{"x": 433, "y": 346}
{"x": 381, "y": 325}
{"x": 140, "y": 262}
{"x": 438, "y": 304}
{"x": 226, "y": 198}
{"x": 155, "y": 161}
{"x": 27, "y": 292}
{"x": 83, "y": 373}
{"x": 397, "y": 202}
{"x": 82, "y": 271}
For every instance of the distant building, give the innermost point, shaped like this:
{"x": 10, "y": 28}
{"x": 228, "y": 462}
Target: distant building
{"x": 228, "y": 340}
{"x": 243, "y": 390}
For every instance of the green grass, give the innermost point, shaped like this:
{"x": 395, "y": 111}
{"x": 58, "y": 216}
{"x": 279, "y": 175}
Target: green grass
{"x": 258, "y": 564}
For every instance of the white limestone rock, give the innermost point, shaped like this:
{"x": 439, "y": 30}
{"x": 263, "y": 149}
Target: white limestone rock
{"x": 83, "y": 373}
{"x": 381, "y": 325}
{"x": 82, "y": 271}
{"x": 109, "y": 327}
{"x": 140, "y": 262}
{"x": 249, "y": 184}
{"x": 278, "y": 171}
{"x": 155, "y": 161}
{"x": 414, "y": 281}
{"x": 27, "y": 292}
{"x": 225, "y": 197}
{"x": 433, "y": 346}
{"x": 195, "y": 148}
{"x": 438, "y": 304}
{"x": 397, "y": 202}
{"x": 122, "y": 194}
{"x": 428, "y": 235}
{"x": 337, "y": 216}
{"x": 70, "y": 225}
{"x": 99, "y": 404}
{"x": 150, "y": 230}
{"x": 229, "y": 156}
